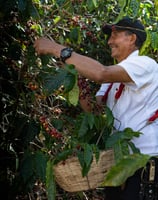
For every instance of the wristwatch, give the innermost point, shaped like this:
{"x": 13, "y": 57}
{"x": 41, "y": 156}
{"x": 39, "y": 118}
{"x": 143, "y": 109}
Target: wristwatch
{"x": 65, "y": 53}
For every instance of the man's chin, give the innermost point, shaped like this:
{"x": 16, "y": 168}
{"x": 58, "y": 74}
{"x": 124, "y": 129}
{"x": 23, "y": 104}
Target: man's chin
{"x": 113, "y": 54}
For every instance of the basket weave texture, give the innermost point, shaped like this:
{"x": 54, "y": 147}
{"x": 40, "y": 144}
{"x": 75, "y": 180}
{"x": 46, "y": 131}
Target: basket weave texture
{"x": 69, "y": 176}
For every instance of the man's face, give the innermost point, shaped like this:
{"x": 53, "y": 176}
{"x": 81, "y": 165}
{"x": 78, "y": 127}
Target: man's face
{"x": 121, "y": 44}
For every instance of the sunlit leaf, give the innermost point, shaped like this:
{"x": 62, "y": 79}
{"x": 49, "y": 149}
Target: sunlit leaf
{"x": 154, "y": 40}
{"x": 73, "y": 95}
{"x": 57, "y": 19}
{"x": 37, "y": 28}
{"x": 124, "y": 169}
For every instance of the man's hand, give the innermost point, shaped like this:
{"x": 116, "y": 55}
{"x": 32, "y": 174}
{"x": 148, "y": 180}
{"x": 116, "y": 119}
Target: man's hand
{"x": 44, "y": 46}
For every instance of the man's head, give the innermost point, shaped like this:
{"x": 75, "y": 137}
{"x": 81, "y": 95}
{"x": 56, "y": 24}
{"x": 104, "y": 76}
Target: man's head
{"x": 130, "y": 25}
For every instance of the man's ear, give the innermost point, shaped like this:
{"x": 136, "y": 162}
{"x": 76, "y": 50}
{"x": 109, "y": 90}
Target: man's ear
{"x": 133, "y": 38}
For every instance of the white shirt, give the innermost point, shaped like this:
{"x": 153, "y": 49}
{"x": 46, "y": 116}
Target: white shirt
{"x": 138, "y": 101}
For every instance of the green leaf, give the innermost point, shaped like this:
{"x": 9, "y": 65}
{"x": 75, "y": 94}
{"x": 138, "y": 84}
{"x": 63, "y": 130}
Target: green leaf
{"x": 85, "y": 124}
{"x": 100, "y": 121}
{"x": 126, "y": 134}
{"x": 55, "y": 79}
{"x": 37, "y": 28}
{"x": 96, "y": 151}
{"x": 63, "y": 3}
{"x": 50, "y": 181}
{"x": 125, "y": 168}
{"x": 26, "y": 129}
{"x": 71, "y": 69}
{"x": 121, "y": 141}
{"x": 75, "y": 35}
{"x": 85, "y": 158}
{"x": 146, "y": 43}
{"x": 88, "y": 154}
{"x": 30, "y": 56}
{"x": 156, "y": 6}
{"x": 27, "y": 167}
{"x": 31, "y": 129}
{"x": 134, "y": 7}
{"x": 33, "y": 167}
{"x": 133, "y": 147}
{"x": 90, "y": 119}
{"x": 109, "y": 117}
{"x": 122, "y": 3}
{"x": 82, "y": 129}
{"x": 118, "y": 153}
{"x": 40, "y": 165}
{"x": 85, "y": 170}
{"x": 57, "y": 19}
{"x": 63, "y": 155}
{"x": 92, "y": 4}
{"x": 129, "y": 133}
{"x": 154, "y": 40}
{"x": 22, "y": 5}
{"x": 80, "y": 155}
{"x": 33, "y": 11}
{"x": 73, "y": 95}
{"x": 45, "y": 59}
{"x": 14, "y": 51}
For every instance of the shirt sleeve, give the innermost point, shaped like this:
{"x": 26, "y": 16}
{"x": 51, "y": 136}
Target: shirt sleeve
{"x": 103, "y": 89}
{"x": 140, "y": 69}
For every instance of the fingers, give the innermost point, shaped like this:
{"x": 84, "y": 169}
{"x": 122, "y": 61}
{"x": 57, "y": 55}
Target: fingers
{"x": 43, "y": 45}
{"x": 38, "y": 46}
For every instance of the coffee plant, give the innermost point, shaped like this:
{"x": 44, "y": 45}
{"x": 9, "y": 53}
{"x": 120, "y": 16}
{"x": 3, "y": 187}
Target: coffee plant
{"x": 39, "y": 99}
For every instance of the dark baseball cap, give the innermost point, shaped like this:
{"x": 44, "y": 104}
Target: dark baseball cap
{"x": 135, "y": 26}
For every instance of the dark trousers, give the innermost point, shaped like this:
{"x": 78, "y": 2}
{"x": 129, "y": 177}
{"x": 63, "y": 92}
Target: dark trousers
{"x": 132, "y": 186}
{"x": 129, "y": 192}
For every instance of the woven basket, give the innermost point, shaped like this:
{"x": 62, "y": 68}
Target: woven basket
{"x": 69, "y": 177}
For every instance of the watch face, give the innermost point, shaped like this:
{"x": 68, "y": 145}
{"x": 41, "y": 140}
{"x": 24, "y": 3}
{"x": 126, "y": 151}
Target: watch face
{"x": 65, "y": 53}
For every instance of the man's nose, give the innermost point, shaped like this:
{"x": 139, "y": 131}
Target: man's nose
{"x": 109, "y": 40}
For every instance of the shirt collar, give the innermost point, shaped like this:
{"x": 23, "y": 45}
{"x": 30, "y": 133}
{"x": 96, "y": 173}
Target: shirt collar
{"x": 134, "y": 53}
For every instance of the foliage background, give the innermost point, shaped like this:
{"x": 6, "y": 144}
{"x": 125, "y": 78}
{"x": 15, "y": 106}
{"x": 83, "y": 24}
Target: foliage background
{"x": 24, "y": 92}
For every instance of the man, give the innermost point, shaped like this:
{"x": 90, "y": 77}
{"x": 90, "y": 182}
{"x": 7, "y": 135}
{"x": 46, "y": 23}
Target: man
{"x": 131, "y": 84}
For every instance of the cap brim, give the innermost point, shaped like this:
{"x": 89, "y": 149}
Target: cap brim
{"x": 107, "y": 28}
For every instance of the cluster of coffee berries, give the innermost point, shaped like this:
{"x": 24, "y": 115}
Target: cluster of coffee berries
{"x": 49, "y": 128}
{"x": 76, "y": 21}
{"x": 32, "y": 86}
{"x": 84, "y": 87}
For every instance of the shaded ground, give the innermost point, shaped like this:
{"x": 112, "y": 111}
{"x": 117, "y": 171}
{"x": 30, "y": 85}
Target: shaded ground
{"x": 39, "y": 193}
